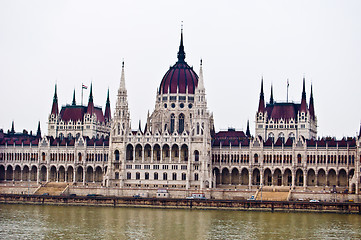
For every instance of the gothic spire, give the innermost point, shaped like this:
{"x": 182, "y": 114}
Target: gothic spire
{"x": 122, "y": 78}
{"x": 303, "y": 101}
{"x": 248, "y": 132}
{"x": 200, "y": 79}
{"x": 312, "y": 107}
{"x": 90, "y": 109}
{"x": 107, "y": 114}
{"x": 74, "y": 102}
{"x": 12, "y": 127}
{"x": 38, "y": 132}
{"x": 271, "y": 98}
{"x": 54, "y": 108}
{"x": 181, "y": 53}
{"x": 261, "y": 106}
{"x": 91, "y": 93}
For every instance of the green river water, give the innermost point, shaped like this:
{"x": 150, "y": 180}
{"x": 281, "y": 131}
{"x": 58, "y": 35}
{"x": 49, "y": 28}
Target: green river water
{"x": 72, "y": 222}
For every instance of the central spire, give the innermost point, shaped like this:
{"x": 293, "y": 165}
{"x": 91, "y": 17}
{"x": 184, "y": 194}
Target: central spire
{"x": 181, "y": 53}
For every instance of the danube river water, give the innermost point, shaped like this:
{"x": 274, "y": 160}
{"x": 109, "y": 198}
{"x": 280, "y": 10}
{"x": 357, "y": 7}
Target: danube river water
{"x": 72, "y": 222}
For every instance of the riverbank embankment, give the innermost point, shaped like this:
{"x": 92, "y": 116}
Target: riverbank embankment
{"x": 205, "y": 204}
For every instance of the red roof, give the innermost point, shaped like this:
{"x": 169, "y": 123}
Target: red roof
{"x": 181, "y": 76}
{"x": 286, "y": 111}
{"x": 75, "y": 113}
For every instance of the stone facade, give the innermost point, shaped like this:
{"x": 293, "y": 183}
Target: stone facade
{"x": 178, "y": 148}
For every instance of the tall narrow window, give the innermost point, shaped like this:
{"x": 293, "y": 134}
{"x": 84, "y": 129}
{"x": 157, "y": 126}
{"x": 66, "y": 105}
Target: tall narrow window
{"x": 172, "y": 119}
{"x": 181, "y": 123}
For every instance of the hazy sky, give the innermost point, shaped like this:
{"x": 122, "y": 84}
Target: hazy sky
{"x": 75, "y": 42}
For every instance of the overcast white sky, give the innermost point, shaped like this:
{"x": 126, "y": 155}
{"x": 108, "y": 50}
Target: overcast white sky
{"x": 74, "y": 42}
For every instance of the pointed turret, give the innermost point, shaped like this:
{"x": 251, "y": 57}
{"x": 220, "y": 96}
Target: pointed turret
{"x": 140, "y": 126}
{"x": 261, "y": 106}
{"x": 271, "y": 98}
{"x": 107, "y": 114}
{"x": 12, "y": 128}
{"x": 248, "y": 132}
{"x": 200, "y": 79}
{"x": 181, "y": 53}
{"x": 90, "y": 108}
{"x": 54, "y": 108}
{"x": 74, "y": 102}
{"x": 303, "y": 101}
{"x": 312, "y": 107}
{"x": 38, "y": 132}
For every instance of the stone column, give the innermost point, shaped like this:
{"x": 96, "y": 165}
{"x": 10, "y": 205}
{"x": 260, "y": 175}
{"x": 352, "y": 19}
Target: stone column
{"x": 305, "y": 180}
{"x": 84, "y": 175}
{"x": 249, "y": 179}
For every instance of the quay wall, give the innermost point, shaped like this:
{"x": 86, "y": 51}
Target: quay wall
{"x": 239, "y": 205}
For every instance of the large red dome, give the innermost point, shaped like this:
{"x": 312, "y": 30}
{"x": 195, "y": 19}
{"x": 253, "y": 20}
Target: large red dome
{"x": 180, "y": 76}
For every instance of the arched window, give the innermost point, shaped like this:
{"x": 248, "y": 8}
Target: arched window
{"x": 272, "y": 136}
{"x": 146, "y": 175}
{"x": 282, "y": 137}
{"x": 184, "y": 176}
{"x": 291, "y": 135}
{"x": 197, "y": 128}
{"x": 155, "y": 176}
{"x": 196, "y": 155}
{"x": 181, "y": 123}
{"x": 196, "y": 177}
{"x": 129, "y": 175}
{"x": 116, "y": 155}
{"x": 299, "y": 159}
{"x": 256, "y": 158}
{"x": 174, "y": 176}
{"x": 165, "y": 176}
{"x": 118, "y": 128}
{"x": 137, "y": 175}
{"x": 43, "y": 156}
{"x": 172, "y": 119}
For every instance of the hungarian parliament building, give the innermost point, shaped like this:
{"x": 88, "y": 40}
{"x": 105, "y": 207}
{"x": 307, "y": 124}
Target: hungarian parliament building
{"x": 178, "y": 147}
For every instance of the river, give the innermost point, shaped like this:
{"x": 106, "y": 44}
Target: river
{"x": 76, "y": 222}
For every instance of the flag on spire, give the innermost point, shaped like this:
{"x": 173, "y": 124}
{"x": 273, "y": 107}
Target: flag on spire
{"x": 84, "y": 87}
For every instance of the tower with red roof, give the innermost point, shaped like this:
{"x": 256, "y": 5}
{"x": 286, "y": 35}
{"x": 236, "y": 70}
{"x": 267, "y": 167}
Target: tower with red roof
{"x": 286, "y": 119}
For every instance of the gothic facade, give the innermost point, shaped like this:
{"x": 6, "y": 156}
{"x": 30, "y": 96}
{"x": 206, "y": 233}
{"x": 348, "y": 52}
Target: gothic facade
{"x": 179, "y": 148}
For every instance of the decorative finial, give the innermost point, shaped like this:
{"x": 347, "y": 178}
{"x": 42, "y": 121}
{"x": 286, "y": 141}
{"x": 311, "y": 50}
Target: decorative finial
{"x": 201, "y": 61}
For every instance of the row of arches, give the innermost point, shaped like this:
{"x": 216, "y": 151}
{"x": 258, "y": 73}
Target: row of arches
{"x": 285, "y": 159}
{"x": 155, "y": 153}
{"x": 286, "y": 177}
{"x": 51, "y": 174}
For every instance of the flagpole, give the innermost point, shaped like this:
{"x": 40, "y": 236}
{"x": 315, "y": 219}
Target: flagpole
{"x": 81, "y": 94}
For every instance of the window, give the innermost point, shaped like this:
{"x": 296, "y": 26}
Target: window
{"x": 146, "y": 176}
{"x": 138, "y": 166}
{"x": 181, "y": 123}
{"x": 184, "y": 167}
{"x": 196, "y": 177}
{"x": 146, "y": 166}
{"x": 116, "y": 175}
{"x": 129, "y": 175}
{"x": 128, "y": 166}
{"x": 165, "y": 176}
{"x": 155, "y": 176}
{"x": 172, "y": 118}
{"x": 184, "y": 176}
{"x": 174, "y": 176}
{"x": 165, "y": 166}
{"x": 137, "y": 176}
{"x": 196, "y": 155}
{"x": 155, "y": 166}
{"x": 116, "y": 155}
